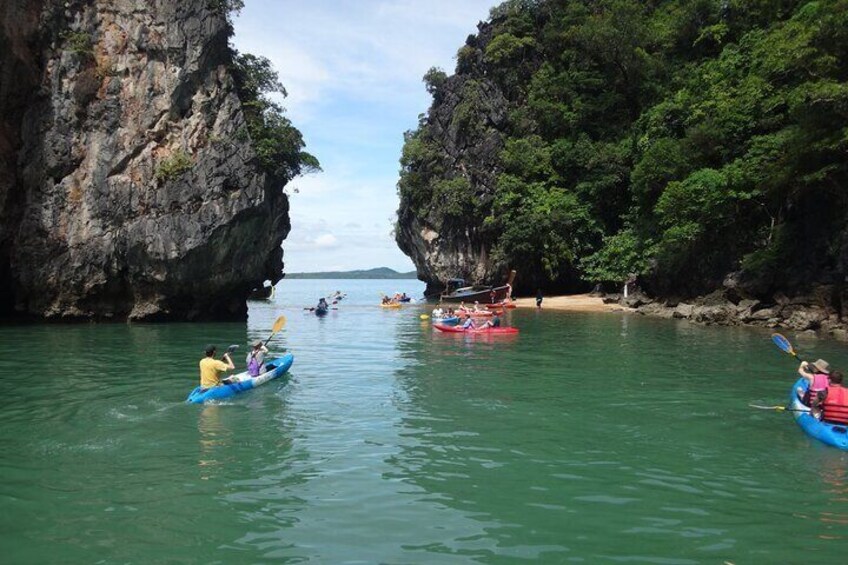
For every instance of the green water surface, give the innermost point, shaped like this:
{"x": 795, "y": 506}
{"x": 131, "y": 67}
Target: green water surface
{"x": 588, "y": 438}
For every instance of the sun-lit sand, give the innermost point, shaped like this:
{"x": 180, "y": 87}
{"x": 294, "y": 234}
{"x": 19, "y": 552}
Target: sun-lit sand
{"x": 571, "y": 302}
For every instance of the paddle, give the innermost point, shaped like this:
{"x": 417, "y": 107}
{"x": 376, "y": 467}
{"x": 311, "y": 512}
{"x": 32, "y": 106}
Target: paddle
{"x": 779, "y": 408}
{"x": 784, "y": 344}
{"x": 278, "y": 325}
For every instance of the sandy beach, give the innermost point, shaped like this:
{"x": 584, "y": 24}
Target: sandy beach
{"x": 572, "y": 303}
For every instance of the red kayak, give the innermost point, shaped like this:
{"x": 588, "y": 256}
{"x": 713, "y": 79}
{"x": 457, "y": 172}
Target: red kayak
{"x": 509, "y": 305}
{"x": 475, "y": 314}
{"x": 484, "y": 331}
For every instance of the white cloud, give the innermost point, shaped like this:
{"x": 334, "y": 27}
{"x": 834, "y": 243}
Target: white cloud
{"x": 353, "y": 73}
{"x": 326, "y": 240}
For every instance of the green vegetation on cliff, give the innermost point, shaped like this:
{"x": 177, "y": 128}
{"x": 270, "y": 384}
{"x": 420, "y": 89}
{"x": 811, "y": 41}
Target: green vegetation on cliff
{"x": 278, "y": 144}
{"x": 678, "y": 140}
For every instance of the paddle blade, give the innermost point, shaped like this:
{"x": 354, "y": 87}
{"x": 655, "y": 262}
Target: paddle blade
{"x": 783, "y": 343}
{"x": 278, "y": 325}
{"x": 775, "y": 408}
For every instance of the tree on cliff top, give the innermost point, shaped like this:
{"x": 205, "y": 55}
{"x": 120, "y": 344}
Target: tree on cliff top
{"x": 278, "y": 144}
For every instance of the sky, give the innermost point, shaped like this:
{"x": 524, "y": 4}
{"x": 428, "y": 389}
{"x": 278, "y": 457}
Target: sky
{"x": 353, "y": 73}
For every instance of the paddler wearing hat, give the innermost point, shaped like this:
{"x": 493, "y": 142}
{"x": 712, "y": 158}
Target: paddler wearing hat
{"x": 256, "y": 359}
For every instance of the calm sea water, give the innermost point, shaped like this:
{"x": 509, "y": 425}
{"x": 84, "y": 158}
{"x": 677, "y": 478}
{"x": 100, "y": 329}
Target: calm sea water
{"x": 588, "y": 438}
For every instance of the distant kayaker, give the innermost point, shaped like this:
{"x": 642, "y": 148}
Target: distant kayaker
{"x": 816, "y": 374}
{"x": 256, "y": 359}
{"x": 211, "y": 369}
{"x": 322, "y": 304}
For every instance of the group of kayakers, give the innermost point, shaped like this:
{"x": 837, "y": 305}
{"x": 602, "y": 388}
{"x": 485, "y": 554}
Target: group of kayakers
{"x": 397, "y": 298}
{"x": 467, "y": 315}
{"x": 825, "y": 395}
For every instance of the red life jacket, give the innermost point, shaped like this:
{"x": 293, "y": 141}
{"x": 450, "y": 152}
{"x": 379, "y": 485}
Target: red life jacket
{"x": 835, "y": 406}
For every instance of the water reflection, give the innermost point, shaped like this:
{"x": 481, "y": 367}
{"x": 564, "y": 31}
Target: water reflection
{"x": 213, "y": 437}
{"x": 833, "y": 475}
{"x": 589, "y": 424}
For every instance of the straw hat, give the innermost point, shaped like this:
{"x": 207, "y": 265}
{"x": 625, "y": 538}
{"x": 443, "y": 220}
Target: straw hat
{"x": 821, "y": 366}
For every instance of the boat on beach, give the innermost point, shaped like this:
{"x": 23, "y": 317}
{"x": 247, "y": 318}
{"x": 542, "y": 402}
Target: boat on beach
{"x": 456, "y": 291}
{"x": 835, "y": 435}
{"x": 275, "y": 368}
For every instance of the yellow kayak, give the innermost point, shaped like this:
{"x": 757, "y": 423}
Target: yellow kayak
{"x": 391, "y": 305}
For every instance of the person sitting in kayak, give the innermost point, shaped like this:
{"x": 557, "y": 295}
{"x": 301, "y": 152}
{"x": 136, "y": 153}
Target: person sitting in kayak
{"x": 495, "y": 322}
{"x": 438, "y": 312}
{"x": 256, "y": 359}
{"x": 834, "y": 400}
{"x": 468, "y": 324}
{"x": 322, "y": 304}
{"x": 816, "y": 374}
{"x": 211, "y": 369}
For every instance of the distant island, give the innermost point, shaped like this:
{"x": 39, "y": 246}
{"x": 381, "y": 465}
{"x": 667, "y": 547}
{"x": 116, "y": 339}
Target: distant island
{"x": 378, "y": 273}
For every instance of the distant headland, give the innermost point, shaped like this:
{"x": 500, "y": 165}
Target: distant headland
{"x": 378, "y": 273}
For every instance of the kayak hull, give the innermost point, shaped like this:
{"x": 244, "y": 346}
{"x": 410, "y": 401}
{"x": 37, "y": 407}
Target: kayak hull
{"x": 321, "y": 311}
{"x": 392, "y": 305}
{"x": 277, "y": 368}
{"x": 479, "y": 331}
{"x": 835, "y": 435}
{"x": 451, "y": 321}
{"x": 477, "y": 313}
{"x": 500, "y": 305}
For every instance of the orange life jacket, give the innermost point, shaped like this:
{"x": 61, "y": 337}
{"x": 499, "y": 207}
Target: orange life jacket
{"x": 835, "y": 405}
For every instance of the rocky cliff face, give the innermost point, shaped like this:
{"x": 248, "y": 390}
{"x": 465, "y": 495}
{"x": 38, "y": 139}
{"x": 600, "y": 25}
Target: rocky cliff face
{"x": 439, "y": 248}
{"x": 128, "y": 187}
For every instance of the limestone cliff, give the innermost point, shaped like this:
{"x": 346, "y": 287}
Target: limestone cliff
{"x": 128, "y": 185}
{"x": 444, "y": 246}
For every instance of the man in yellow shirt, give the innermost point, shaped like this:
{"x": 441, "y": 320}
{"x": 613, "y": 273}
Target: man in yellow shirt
{"x": 211, "y": 369}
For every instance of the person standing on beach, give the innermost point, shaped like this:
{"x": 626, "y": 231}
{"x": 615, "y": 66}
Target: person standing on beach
{"x": 539, "y": 298}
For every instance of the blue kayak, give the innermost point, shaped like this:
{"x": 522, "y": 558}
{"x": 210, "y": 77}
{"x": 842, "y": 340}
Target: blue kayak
{"x": 321, "y": 311}
{"x": 276, "y": 368}
{"x": 451, "y": 321}
{"x": 835, "y": 435}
